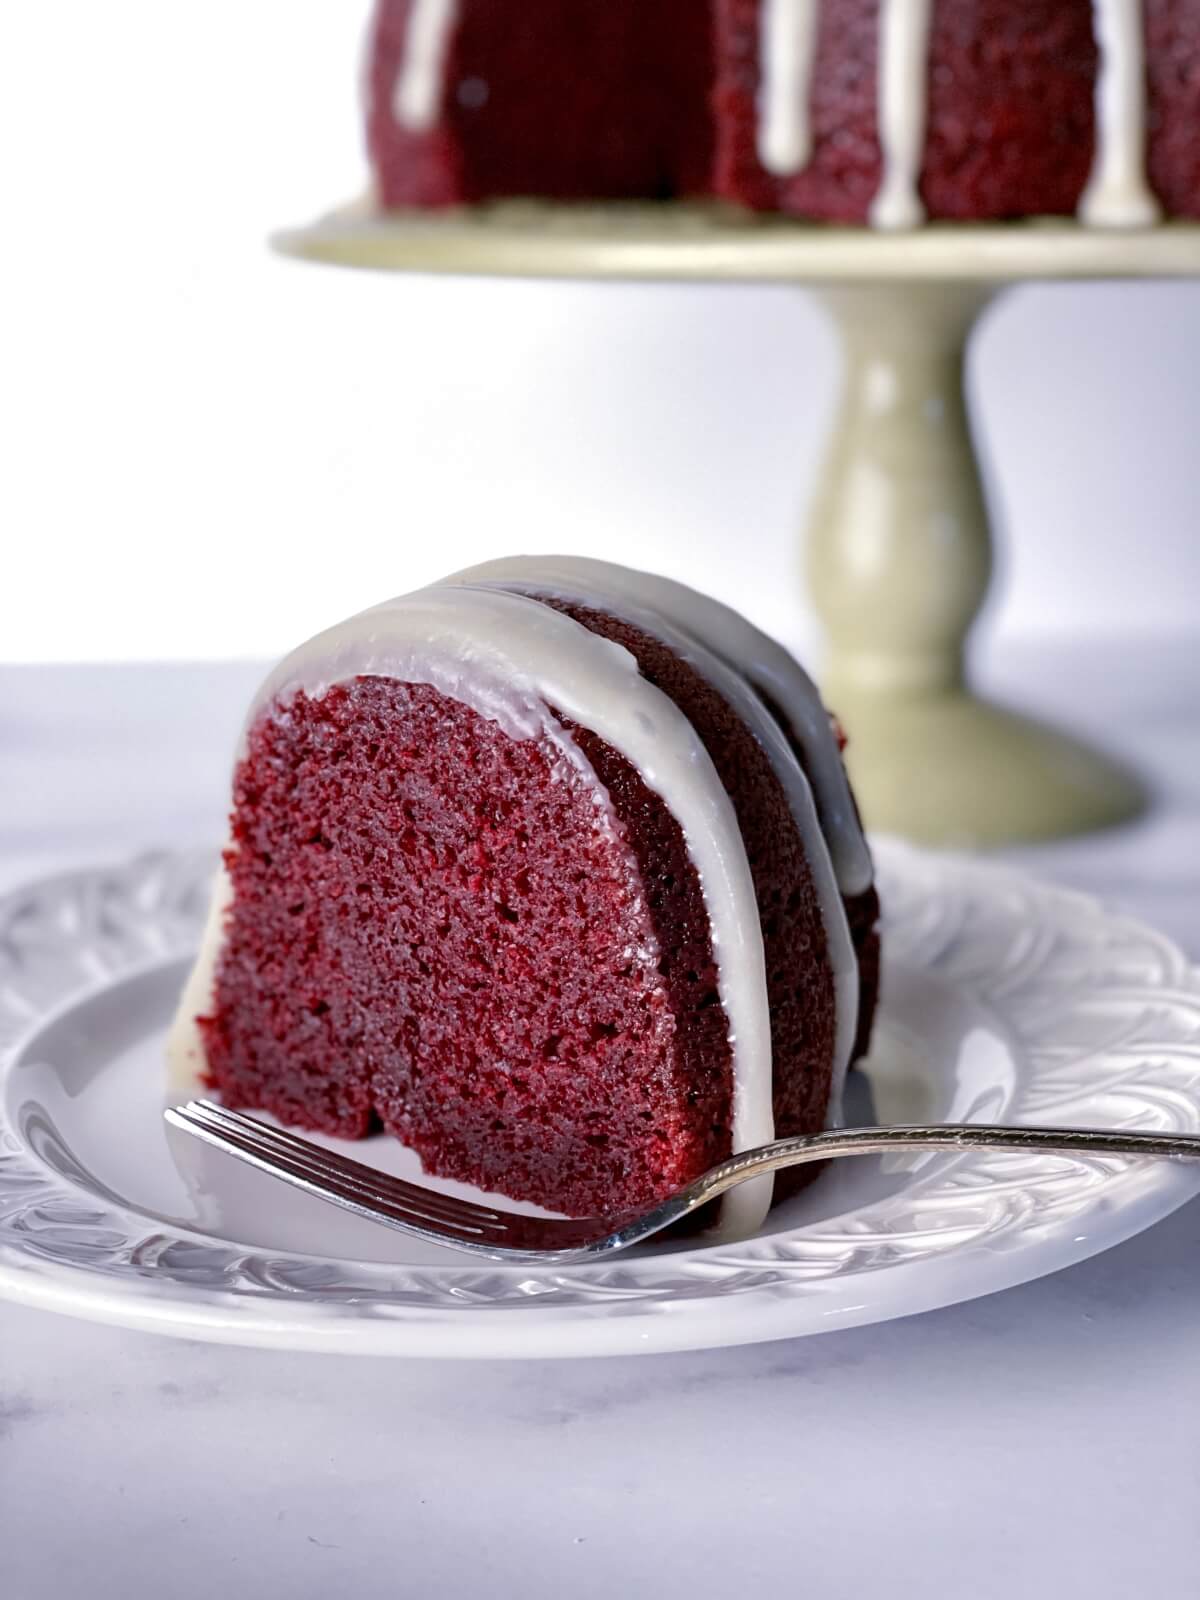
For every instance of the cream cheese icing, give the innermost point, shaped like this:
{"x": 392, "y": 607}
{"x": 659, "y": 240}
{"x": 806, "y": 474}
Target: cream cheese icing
{"x": 417, "y": 93}
{"x": 727, "y": 634}
{"x": 1118, "y": 194}
{"x": 789, "y": 47}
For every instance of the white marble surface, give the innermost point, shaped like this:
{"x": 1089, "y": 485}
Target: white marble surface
{"x": 1040, "y": 1442}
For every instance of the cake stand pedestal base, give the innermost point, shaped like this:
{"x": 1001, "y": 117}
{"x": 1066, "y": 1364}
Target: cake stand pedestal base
{"x": 953, "y": 770}
{"x": 899, "y": 559}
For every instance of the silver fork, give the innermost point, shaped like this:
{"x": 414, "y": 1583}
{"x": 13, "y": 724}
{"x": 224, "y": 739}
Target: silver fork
{"x": 503, "y": 1235}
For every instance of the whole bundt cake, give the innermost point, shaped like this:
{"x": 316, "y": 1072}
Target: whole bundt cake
{"x": 552, "y": 871}
{"x": 880, "y": 111}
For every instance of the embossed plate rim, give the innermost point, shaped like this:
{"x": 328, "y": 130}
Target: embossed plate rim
{"x": 1046, "y": 960}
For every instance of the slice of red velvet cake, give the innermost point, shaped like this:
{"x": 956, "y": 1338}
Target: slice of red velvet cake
{"x": 550, "y": 870}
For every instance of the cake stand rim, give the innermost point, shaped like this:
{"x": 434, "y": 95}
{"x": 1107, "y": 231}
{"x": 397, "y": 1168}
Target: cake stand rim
{"x": 676, "y": 242}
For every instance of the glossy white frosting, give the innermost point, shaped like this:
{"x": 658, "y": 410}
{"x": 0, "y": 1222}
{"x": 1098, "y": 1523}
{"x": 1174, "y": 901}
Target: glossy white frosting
{"x": 903, "y": 104}
{"x": 510, "y": 658}
{"x": 1118, "y": 194}
{"x": 789, "y": 45}
{"x": 418, "y": 89}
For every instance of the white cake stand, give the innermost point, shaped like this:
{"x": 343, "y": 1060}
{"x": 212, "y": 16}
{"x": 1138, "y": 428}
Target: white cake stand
{"x": 899, "y": 550}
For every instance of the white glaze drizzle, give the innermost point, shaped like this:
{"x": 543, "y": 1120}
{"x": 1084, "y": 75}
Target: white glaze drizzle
{"x": 742, "y": 646}
{"x": 417, "y": 92}
{"x": 1118, "y": 194}
{"x": 903, "y": 99}
{"x": 788, "y": 47}
{"x": 509, "y": 658}
{"x": 664, "y": 610}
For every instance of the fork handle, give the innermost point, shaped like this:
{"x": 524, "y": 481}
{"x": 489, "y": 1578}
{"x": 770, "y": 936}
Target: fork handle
{"x": 812, "y": 1147}
{"x": 804, "y": 1148}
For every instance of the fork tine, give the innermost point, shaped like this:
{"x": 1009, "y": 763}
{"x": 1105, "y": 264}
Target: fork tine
{"x": 290, "y": 1170}
{"x": 401, "y": 1206}
{"x": 372, "y": 1182}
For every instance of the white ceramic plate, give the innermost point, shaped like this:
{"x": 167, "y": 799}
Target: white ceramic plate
{"x": 1003, "y": 1001}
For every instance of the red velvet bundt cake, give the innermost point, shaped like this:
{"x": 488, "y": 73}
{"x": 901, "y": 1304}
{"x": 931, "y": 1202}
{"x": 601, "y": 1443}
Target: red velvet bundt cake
{"x": 553, "y": 872}
{"x": 881, "y": 111}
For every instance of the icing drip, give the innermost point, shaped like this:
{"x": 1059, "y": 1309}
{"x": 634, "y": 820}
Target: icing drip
{"x": 1118, "y": 195}
{"x": 903, "y": 104}
{"x": 417, "y": 95}
{"x": 510, "y": 658}
{"x": 788, "y": 49}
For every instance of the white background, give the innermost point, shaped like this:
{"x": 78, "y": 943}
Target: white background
{"x": 205, "y": 451}
{"x": 211, "y": 452}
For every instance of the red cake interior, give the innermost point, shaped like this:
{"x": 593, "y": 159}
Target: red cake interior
{"x": 430, "y": 933}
